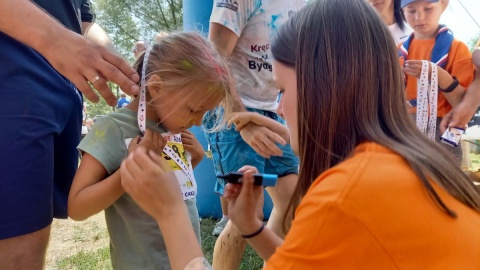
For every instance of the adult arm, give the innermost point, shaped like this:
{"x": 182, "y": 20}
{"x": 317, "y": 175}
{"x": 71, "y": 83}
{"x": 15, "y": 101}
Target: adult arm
{"x": 463, "y": 112}
{"x": 225, "y": 41}
{"x": 95, "y": 33}
{"x": 148, "y": 179}
{"x": 261, "y": 139}
{"x": 74, "y": 56}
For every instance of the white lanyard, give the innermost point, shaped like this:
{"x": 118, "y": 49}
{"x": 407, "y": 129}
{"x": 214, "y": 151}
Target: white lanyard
{"x": 186, "y": 167}
{"x": 142, "y": 107}
{"x": 427, "y": 99}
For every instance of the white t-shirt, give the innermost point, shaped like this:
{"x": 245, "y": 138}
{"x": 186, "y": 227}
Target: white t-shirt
{"x": 255, "y": 23}
{"x": 398, "y": 34}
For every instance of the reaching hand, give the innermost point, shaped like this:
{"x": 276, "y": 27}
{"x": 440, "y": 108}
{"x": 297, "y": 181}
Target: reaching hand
{"x": 151, "y": 141}
{"x": 243, "y": 201}
{"x": 148, "y": 179}
{"x": 459, "y": 116}
{"x": 82, "y": 61}
{"x": 192, "y": 145}
{"x": 262, "y": 140}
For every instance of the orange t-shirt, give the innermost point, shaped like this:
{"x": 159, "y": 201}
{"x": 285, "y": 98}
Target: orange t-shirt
{"x": 459, "y": 64}
{"x": 372, "y": 212}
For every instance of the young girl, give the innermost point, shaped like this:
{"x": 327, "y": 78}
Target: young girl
{"x": 183, "y": 76}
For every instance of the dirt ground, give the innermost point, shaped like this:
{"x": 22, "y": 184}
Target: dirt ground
{"x": 69, "y": 237}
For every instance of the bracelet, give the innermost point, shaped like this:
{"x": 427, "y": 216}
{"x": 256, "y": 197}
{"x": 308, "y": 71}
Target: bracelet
{"x": 452, "y": 86}
{"x": 255, "y": 233}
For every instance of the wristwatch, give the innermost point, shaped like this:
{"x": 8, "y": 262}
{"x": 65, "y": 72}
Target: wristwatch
{"x": 452, "y": 86}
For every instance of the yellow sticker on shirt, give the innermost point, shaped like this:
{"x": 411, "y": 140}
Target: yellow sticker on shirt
{"x": 177, "y": 147}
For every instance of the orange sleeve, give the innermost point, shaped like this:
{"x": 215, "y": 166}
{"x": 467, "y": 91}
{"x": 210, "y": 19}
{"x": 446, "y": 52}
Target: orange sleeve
{"x": 460, "y": 64}
{"x": 323, "y": 233}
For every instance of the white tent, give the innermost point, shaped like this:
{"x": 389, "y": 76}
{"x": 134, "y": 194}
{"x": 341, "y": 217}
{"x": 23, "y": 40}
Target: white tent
{"x": 463, "y": 18}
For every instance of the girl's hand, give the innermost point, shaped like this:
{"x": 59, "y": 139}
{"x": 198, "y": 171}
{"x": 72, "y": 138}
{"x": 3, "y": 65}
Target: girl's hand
{"x": 192, "y": 145}
{"x": 147, "y": 177}
{"x": 240, "y": 119}
{"x": 243, "y": 201}
{"x": 151, "y": 141}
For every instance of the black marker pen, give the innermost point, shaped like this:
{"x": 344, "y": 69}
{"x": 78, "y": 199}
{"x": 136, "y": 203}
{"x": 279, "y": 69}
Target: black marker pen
{"x": 266, "y": 180}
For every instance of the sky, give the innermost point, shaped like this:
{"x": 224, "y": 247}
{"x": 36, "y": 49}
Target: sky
{"x": 459, "y": 21}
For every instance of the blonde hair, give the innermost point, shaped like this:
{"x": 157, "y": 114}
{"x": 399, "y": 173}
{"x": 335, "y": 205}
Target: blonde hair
{"x": 186, "y": 60}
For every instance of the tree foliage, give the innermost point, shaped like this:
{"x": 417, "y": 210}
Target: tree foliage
{"x": 128, "y": 21}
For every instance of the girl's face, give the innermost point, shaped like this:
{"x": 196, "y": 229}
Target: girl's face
{"x": 181, "y": 109}
{"x": 286, "y": 80}
{"x": 383, "y": 7}
{"x": 423, "y": 16}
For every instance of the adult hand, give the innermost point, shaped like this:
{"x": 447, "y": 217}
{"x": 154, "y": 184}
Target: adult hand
{"x": 81, "y": 61}
{"x": 148, "y": 179}
{"x": 459, "y": 116}
{"x": 151, "y": 141}
{"x": 192, "y": 145}
{"x": 262, "y": 140}
{"x": 243, "y": 201}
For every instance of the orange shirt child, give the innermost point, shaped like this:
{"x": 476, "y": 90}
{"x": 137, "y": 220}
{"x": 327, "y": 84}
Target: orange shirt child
{"x": 372, "y": 212}
{"x": 459, "y": 64}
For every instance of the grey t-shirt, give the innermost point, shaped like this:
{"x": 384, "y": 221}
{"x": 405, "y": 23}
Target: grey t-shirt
{"x": 135, "y": 239}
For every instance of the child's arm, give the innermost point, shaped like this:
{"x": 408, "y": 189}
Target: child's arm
{"x": 241, "y": 119}
{"x": 444, "y": 81}
{"x": 414, "y": 68}
{"x": 89, "y": 194}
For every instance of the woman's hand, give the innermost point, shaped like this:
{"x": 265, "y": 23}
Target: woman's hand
{"x": 148, "y": 179}
{"x": 243, "y": 201}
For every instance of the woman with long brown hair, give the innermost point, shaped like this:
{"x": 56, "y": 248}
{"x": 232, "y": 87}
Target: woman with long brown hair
{"x": 373, "y": 192}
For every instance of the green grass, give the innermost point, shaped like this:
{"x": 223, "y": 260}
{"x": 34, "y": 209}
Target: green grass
{"x": 100, "y": 259}
{"x": 250, "y": 261}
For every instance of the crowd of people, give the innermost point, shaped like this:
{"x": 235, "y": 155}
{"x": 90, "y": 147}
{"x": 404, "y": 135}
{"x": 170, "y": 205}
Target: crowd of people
{"x": 349, "y": 102}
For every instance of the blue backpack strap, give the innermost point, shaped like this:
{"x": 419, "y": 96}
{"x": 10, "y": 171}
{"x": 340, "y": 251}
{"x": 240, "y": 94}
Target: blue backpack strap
{"x": 443, "y": 43}
{"x": 403, "y": 49}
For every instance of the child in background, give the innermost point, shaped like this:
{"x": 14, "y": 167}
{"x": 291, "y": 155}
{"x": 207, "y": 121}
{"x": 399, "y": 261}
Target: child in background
{"x": 392, "y": 15}
{"x": 183, "y": 76}
{"x": 435, "y": 43}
